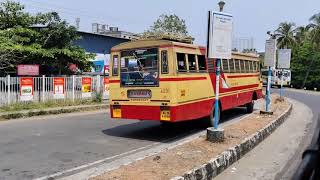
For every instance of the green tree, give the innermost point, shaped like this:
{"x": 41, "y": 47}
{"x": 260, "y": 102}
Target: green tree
{"x": 169, "y": 27}
{"x": 23, "y": 41}
{"x": 170, "y": 24}
{"x": 285, "y": 35}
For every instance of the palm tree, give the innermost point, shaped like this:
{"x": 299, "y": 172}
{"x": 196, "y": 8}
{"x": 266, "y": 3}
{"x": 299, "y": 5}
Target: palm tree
{"x": 301, "y": 33}
{"x": 285, "y": 35}
{"x": 314, "y": 27}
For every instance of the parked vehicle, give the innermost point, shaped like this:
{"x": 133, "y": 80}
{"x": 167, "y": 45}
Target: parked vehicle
{"x": 172, "y": 81}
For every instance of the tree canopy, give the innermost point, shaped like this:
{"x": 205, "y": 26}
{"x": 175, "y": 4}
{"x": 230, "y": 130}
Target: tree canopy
{"x": 169, "y": 26}
{"x": 42, "y": 39}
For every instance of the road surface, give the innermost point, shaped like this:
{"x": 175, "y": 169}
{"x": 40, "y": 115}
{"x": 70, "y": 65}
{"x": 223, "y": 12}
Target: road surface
{"x": 41, "y": 146}
{"x": 279, "y": 155}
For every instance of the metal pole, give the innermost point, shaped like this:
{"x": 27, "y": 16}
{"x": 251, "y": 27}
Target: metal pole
{"x": 43, "y": 86}
{"x": 73, "y": 86}
{"x": 216, "y": 109}
{"x": 268, "y": 90}
{"x": 281, "y": 89}
{"x": 9, "y": 89}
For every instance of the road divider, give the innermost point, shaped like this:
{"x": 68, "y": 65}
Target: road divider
{"x": 193, "y": 160}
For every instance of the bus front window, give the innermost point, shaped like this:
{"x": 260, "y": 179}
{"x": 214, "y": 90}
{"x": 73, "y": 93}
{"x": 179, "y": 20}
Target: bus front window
{"x": 139, "y": 67}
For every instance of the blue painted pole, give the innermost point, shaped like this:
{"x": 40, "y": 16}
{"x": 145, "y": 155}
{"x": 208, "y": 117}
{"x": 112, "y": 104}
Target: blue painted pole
{"x": 216, "y": 107}
{"x": 268, "y": 90}
{"x": 281, "y": 89}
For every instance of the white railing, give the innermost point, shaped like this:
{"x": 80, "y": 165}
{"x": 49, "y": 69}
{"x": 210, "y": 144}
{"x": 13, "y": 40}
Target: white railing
{"x": 44, "y": 89}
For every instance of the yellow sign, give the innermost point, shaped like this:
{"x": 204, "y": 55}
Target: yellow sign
{"x": 165, "y": 115}
{"x": 116, "y": 113}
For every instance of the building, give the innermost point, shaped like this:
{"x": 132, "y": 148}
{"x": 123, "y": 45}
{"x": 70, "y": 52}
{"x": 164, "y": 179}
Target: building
{"x": 243, "y": 44}
{"x": 112, "y": 31}
{"x": 99, "y": 44}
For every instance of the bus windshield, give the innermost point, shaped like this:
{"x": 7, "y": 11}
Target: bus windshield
{"x": 139, "y": 67}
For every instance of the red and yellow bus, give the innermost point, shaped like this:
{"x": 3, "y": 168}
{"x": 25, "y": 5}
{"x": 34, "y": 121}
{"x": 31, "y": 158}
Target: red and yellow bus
{"x": 172, "y": 81}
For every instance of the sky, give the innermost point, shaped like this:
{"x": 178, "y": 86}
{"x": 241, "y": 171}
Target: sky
{"x": 252, "y": 18}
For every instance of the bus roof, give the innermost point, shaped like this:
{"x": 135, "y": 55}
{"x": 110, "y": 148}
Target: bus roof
{"x": 168, "y": 43}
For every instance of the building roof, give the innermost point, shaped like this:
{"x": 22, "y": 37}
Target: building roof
{"x": 100, "y": 35}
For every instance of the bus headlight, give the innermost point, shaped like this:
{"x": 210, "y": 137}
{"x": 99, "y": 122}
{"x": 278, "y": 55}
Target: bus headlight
{"x": 116, "y": 111}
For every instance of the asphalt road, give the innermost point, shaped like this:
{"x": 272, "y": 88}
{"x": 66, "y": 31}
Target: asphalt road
{"x": 41, "y": 146}
{"x": 37, "y": 147}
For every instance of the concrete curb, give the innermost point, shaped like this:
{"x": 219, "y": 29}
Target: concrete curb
{"x": 228, "y": 157}
{"x": 39, "y": 112}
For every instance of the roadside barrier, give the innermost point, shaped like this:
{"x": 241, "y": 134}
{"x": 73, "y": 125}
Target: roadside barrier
{"x": 42, "y": 89}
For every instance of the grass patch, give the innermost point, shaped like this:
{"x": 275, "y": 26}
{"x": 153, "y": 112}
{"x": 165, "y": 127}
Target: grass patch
{"x": 49, "y": 104}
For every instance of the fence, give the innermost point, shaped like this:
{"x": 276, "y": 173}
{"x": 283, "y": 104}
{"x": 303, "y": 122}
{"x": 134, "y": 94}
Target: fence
{"x": 42, "y": 89}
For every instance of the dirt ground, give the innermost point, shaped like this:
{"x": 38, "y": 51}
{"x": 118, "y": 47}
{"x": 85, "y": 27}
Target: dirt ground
{"x": 181, "y": 159}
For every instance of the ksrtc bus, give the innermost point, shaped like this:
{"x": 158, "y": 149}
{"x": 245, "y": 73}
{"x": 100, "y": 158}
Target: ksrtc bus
{"x": 171, "y": 81}
{"x": 276, "y": 77}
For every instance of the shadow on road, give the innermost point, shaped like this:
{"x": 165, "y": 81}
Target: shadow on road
{"x": 154, "y": 131}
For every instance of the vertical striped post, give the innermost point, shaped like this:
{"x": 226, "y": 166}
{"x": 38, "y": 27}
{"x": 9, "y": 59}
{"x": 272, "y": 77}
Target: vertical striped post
{"x": 268, "y": 91}
{"x": 216, "y": 109}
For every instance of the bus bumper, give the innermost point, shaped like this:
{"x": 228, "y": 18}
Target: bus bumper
{"x": 162, "y": 113}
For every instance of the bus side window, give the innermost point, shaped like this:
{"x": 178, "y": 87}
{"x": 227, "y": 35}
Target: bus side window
{"x": 231, "y": 65}
{"x": 164, "y": 59}
{"x": 192, "y": 63}
{"x": 202, "y": 63}
{"x": 225, "y": 65}
{"x": 182, "y": 64}
{"x": 242, "y": 66}
{"x": 237, "y": 66}
{"x": 115, "y": 67}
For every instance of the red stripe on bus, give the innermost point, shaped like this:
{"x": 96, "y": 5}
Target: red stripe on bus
{"x": 242, "y": 76}
{"x": 114, "y": 81}
{"x": 183, "y": 79}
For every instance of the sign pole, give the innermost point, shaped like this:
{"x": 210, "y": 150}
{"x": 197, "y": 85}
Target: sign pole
{"x": 268, "y": 90}
{"x": 216, "y": 109}
{"x": 281, "y": 89}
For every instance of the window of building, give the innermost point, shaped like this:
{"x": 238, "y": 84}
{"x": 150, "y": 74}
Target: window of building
{"x": 192, "y": 62}
{"x": 237, "y": 65}
{"x": 115, "y": 65}
{"x": 182, "y": 63}
{"x": 164, "y": 59}
{"x": 225, "y": 65}
{"x": 202, "y": 63}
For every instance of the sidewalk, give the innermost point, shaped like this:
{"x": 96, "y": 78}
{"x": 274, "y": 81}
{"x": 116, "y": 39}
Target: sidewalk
{"x": 48, "y": 111}
{"x": 270, "y": 159}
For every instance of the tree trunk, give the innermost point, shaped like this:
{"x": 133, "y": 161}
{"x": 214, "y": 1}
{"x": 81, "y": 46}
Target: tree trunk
{"x": 307, "y": 74}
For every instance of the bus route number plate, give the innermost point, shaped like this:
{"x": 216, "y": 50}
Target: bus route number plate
{"x": 165, "y": 115}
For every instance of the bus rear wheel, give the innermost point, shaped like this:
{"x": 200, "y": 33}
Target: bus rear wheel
{"x": 250, "y": 106}
{"x": 210, "y": 119}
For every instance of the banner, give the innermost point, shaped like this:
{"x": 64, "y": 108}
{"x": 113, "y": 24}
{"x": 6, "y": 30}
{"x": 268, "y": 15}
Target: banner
{"x": 270, "y": 55}
{"x": 86, "y": 87}
{"x": 220, "y": 26}
{"x": 26, "y": 89}
{"x": 284, "y": 58}
{"x": 28, "y": 70}
{"x": 58, "y": 85}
